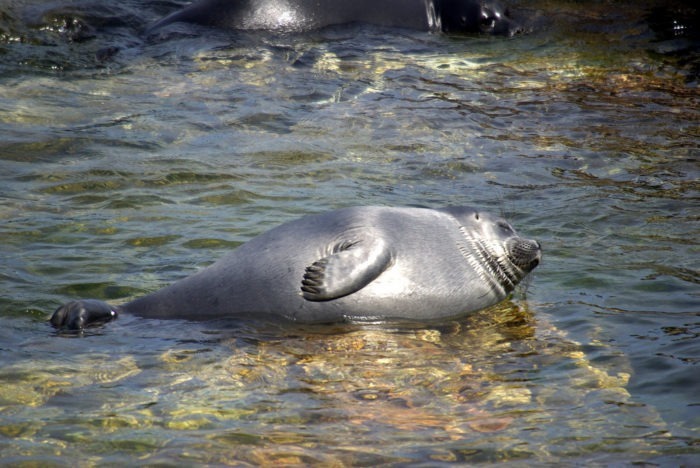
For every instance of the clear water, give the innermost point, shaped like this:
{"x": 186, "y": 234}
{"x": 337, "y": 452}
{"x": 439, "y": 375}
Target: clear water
{"x": 119, "y": 176}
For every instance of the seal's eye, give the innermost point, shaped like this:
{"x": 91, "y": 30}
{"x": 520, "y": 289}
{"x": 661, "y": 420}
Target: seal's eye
{"x": 476, "y": 215}
{"x": 505, "y": 227}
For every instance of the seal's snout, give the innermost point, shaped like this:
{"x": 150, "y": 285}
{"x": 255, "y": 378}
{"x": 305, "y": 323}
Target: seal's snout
{"x": 526, "y": 254}
{"x": 537, "y": 251}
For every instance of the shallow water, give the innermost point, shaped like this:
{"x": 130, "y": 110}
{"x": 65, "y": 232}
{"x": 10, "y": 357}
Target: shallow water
{"x": 120, "y": 174}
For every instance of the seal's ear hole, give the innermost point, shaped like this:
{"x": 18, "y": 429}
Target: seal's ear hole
{"x": 476, "y": 215}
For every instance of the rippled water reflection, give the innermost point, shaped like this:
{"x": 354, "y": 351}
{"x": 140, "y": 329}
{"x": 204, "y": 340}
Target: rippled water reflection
{"x": 119, "y": 176}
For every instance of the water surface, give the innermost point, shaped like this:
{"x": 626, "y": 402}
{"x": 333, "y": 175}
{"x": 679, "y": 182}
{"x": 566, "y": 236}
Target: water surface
{"x": 122, "y": 172}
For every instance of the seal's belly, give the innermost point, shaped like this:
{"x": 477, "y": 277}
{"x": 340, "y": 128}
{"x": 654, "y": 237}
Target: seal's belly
{"x": 433, "y": 287}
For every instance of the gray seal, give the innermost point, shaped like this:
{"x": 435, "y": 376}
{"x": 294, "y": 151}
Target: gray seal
{"x": 450, "y": 16}
{"x": 353, "y": 264}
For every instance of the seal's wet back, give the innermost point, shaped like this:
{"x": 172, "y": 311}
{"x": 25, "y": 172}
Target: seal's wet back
{"x": 352, "y": 264}
{"x": 451, "y": 16}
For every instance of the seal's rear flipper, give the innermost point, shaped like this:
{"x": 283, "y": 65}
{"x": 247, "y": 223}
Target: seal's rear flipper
{"x": 351, "y": 266}
{"x": 77, "y": 315}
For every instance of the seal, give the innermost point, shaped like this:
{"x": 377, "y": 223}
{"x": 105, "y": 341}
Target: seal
{"x": 353, "y": 264}
{"x": 449, "y": 16}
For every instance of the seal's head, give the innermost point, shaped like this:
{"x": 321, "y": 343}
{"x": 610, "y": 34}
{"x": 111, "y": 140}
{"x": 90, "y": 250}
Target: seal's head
{"x": 472, "y": 16}
{"x": 505, "y": 256}
{"x": 495, "y": 250}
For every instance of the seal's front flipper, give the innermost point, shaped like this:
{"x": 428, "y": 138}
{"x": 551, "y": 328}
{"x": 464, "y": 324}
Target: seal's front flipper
{"x": 351, "y": 266}
{"x": 77, "y": 315}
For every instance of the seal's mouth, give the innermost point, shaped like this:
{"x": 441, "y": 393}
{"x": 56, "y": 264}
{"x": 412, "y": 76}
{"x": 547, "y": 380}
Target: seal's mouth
{"x": 526, "y": 254}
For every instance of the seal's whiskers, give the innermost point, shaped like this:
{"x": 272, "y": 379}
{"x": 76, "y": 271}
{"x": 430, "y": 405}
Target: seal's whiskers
{"x": 496, "y": 269}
